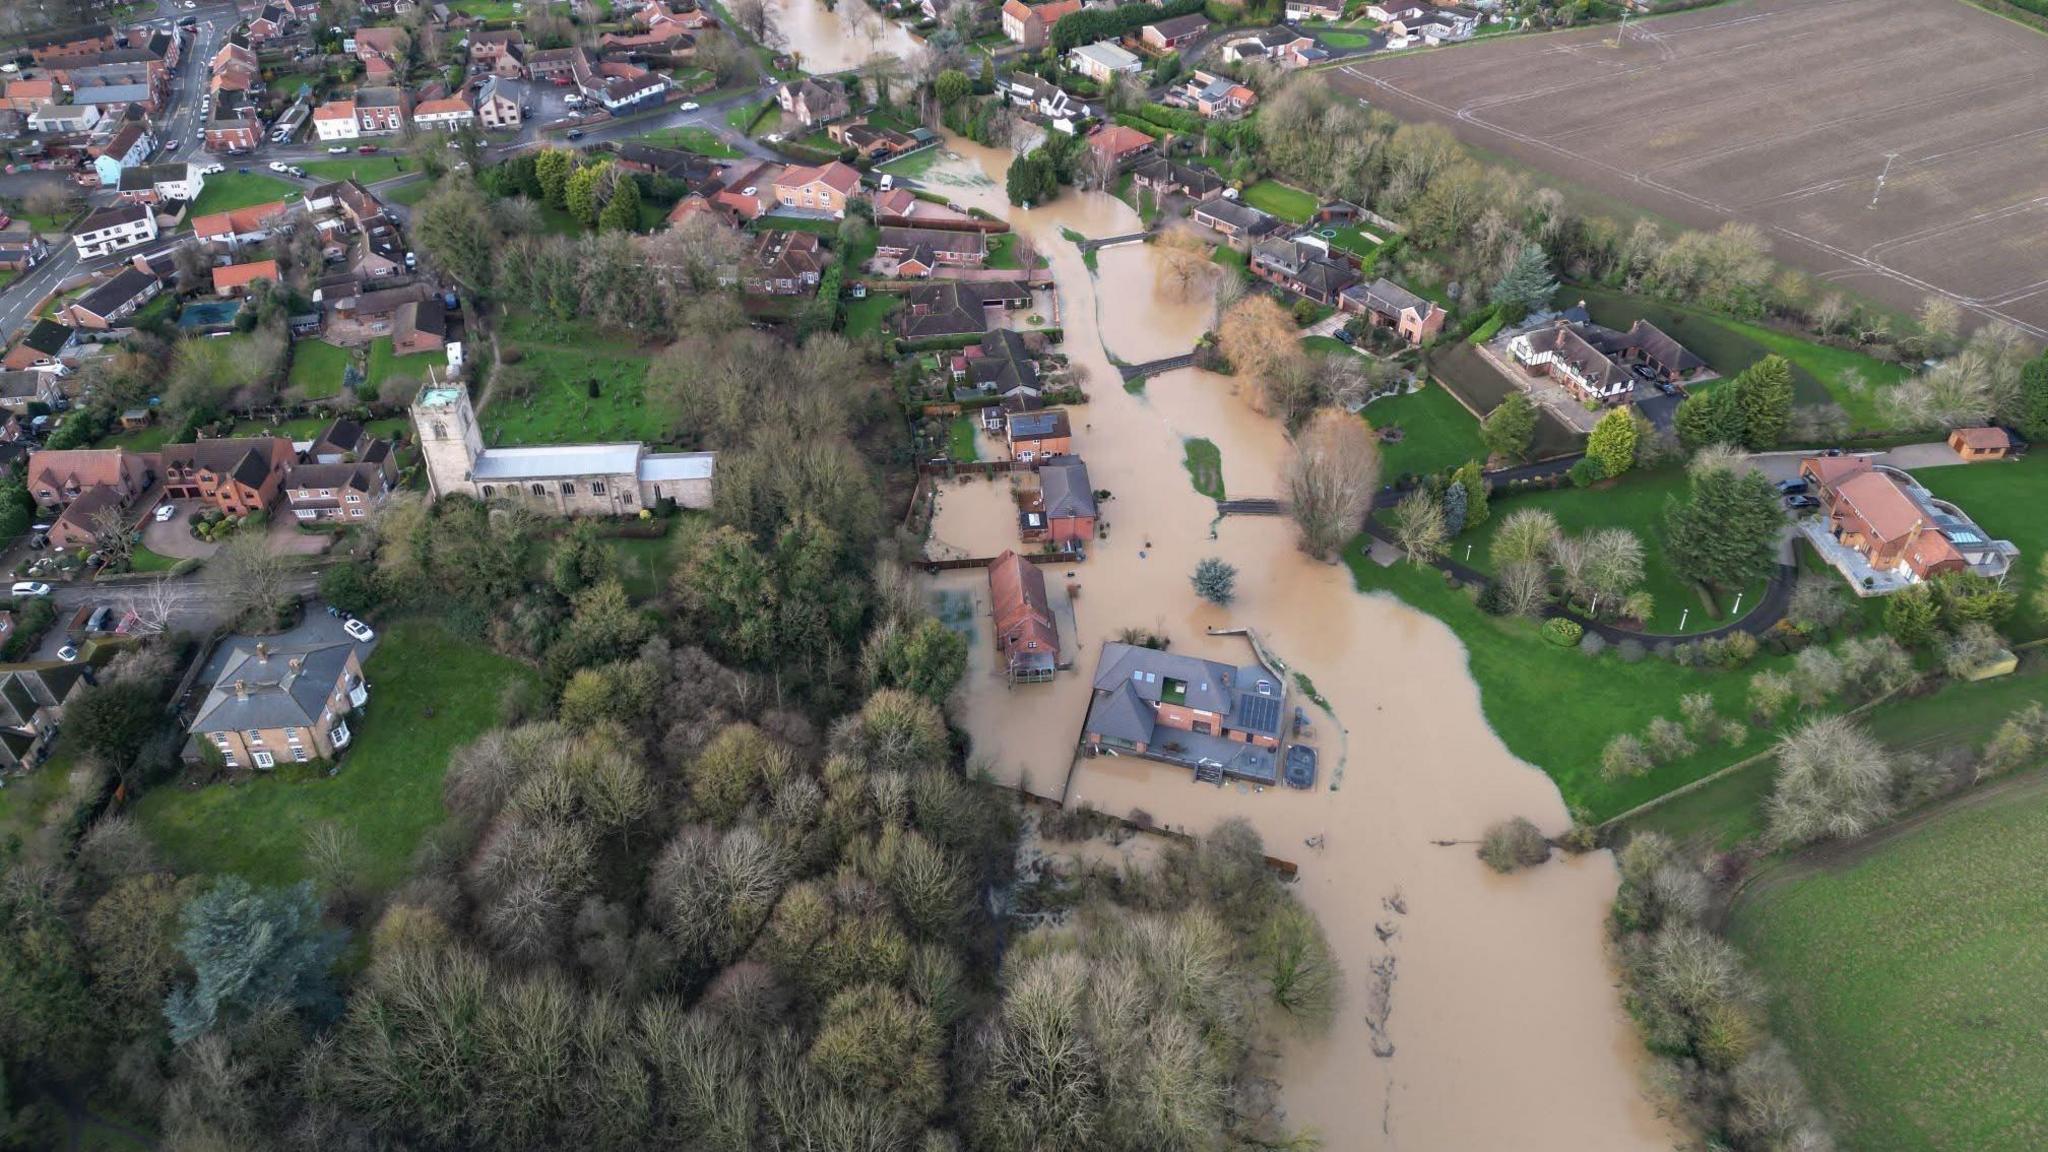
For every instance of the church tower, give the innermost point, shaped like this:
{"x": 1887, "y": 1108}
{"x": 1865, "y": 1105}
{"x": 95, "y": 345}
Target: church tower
{"x": 449, "y": 438}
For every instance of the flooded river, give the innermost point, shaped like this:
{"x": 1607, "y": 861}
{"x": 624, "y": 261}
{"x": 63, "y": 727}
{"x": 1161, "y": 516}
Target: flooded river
{"x": 836, "y": 39}
{"x": 1505, "y": 1026}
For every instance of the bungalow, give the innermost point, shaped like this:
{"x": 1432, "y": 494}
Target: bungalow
{"x": 1302, "y": 265}
{"x": 870, "y": 141}
{"x": 1175, "y": 34}
{"x": 235, "y": 279}
{"x": 1389, "y": 305}
{"x": 112, "y": 229}
{"x": 251, "y": 225}
{"x": 380, "y": 111}
{"x": 638, "y": 87}
{"x": 1029, "y": 24}
{"x": 919, "y": 252}
{"x": 1884, "y": 531}
{"x": 1204, "y": 713}
{"x": 336, "y": 120}
{"x": 113, "y": 301}
{"x": 495, "y": 107}
{"x": 958, "y": 307}
{"x": 42, "y": 349}
{"x": 444, "y": 115}
{"x": 1115, "y": 145}
{"x": 237, "y": 475}
{"x": 1173, "y": 178}
{"x": 1326, "y": 10}
{"x": 813, "y": 102}
{"x": 1436, "y": 25}
{"x": 1027, "y": 636}
{"x": 1238, "y": 224}
{"x": 1215, "y": 97}
{"x": 1103, "y": 61}
{"x": 784, "y": 264}
{"x": 684, "y": 14}
{"x": 1282, "y": 45}
{"x": 57, "y": 477}
{"x": 901, "y": 207}
{"x": 290, "y": 703}
{"x": 1063, "y": 509}
{"x": 1974, "y": 444}
{"x": 1040, "y": 434}
{"x": 821, "y": 189}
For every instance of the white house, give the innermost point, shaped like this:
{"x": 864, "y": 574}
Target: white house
{"x": 1330, "y": 10}
{"x": 1102, "y": 61}
{"x": 336, "y": 120}
{"x": 129, "y": 147}
{"x": 112, "y": 229}
{"x": 442, "y": 115}
{"x": 64, "y": 118}
{"x": 1043, "y": 97}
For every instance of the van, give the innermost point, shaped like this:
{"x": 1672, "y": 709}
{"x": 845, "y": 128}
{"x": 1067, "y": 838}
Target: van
{"x": 888, "y": 181}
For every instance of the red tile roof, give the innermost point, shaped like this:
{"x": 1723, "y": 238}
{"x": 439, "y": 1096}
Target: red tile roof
{"x": 242, "y": 275}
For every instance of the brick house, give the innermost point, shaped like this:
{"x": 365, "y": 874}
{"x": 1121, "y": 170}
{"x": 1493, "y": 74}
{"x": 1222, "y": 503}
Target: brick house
{"x": 1026, "y": 633}
{"x": 1901, "y": 531}
{"x": 1188, "y": 710}
{"x": 1215, "y": 97}
{"x": 238, "y": 475}
{"x": 75, "y": 526}
{"x": 1029, "y": 24}
{"x": 784, "y": 264}
{"x": 813, "y": 102}
{"x": 56, "y": 477}
{"x": 42, "y": 349}
{"x": 1175, "y": 34}
{"x": 1173, "y": 178}
{"x": 348, "y": 491}
{"x": 821, "y": 189}
{"x": 1238, "y": 224}
{"x": 919, "y": 252}
{"x": 250, "y": 225}
{"x": 419, "y": 326}
{"x": 380, "y": 111}
{"x": 1116, "y": 145}
{"x": 232, "y": 127}
{"x": 487, "y": 48}
{"x": 234, "y": 279}
{"x": 285, "y": 704}
{"x": 113, "y": 301}
{"x": 1063, "y": 510}
{"x": 1974, "y": 444}
{"x": 1304, "y": 266}
{"x": 1389, "y": 305}
{"x": 1038, "y": 435}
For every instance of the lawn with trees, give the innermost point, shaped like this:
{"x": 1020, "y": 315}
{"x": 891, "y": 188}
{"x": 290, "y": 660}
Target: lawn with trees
{"x": 1436, "y": 432}
{"x": 227, "y": 191}
{"x": 563, "y": 390}
{"x": 2007, "y": 500}
{"x": 367, "y": 169}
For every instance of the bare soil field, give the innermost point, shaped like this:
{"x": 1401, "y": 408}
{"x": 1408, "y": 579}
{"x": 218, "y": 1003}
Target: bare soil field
{"x": 1894, "y": 147}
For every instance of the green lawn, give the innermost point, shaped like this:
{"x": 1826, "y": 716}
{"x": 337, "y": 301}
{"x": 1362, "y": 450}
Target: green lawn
{"x": 408, "y": 193}
{"x": 1555, "y": 707}
{"x": 693, "y": 138}
{"x": 147, "y": 438}
{"x": 429, "y": 692}
{"x": 1284, "y": 201}
{"x": 644, "y": 563}
{"x": 1204, "y": 462}
{"x": 914, "y": 165}
{"x": 1635, "y": 502}
{"x": 1345, "y": 39}
{"x": 565, "y": 359}
{"x": 1229, "y": 257}
{"x": 317, "y": 368}
{"x": 297, "y": 428}
{"x": 384, "y": 363}
{"x": 1436, "y": 432}
{"x": 368, "y": 169}
{"x": 960, "y": 439}
{"x": 2010, "y": 501}
{"x": 486, "y": 9}
{"x": 1354, "y": 241}
{"x": 227, "y": 191}
{"x": 143, "y": 560}
{"x": 26, "y": 800}
{"x": 1730, "y": 345}
{"x": 1002, "y": 250}
{"x": 869, "y": 314}
{"x": 1912, "y": 983}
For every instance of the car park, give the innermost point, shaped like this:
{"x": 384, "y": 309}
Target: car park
{"x": 359, "y": 630}
{"x": 30, "y": 588}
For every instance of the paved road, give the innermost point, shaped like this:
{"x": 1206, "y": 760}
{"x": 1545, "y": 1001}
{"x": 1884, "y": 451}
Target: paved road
{"x": 198, "y": 603}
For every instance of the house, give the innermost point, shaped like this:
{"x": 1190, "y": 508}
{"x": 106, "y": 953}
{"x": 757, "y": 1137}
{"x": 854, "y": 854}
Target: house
{"x": 1215, "y": 97}
{"x": 268, "y": 24}
{"x": 235, "y": 279}
{"x": 237, "y": 475}
{"x": 346, "y": 441}
{"x": 46, "y": 46}
{"x": 823, "y": 189}
{"x": 57, "y": 477}
{"x": 1391, "y": 306}
{"x": 64, "y": 118}
{"x": 340, "y": 491}
{"x": 495, "y": 106}
{"x": 1029, "y": 24}
{"x": 232, "y": 127}
{"x": 289, "y": 703}
{"x": 380, "y": 111}
{"x": 336, "y": 120}
{"x": 1304, "y": 266}
{"x": 21, "y": 249}
{"x": 748, "y": 189}
{"x": 234, "y": 69}
{"x": 156, "y": 183}
{"x": 813, "y": 102}
{"x": 380, "y": 50}
{"x": 1884, "y": 531}
{"x": 444, "y": 115}
{"x": 1435, "y": 25}
{"x": 31, "y": 705}
{"x": 250, "y": 225}
{"x": 42, "y": 349}
{"x": 1002, "y": 366}
{"x": 1280, "y": 44}
{"x": 113, "y": 301}
{"x": 129, "y": 146}
{"x": 784, "y": 264}
{"x": 901, "y": 207}
{"x": 1601, "y": 366}
{"x": 78, "y": 525}
{"x": 871, "y": 141}
{"x": 919, "y": 252}
{"x": 1043, "y": 97}
{"x": 112, "y": 229}
{"x": 19, "y": 390}
{"x": 487, "y": 48}
{"x": 1115, "y": 145}
{"x": 1238, "y": 224}
{"x": 684, "y": 14}
{"x": 630, "y": 90}
{"x": 29, "y": 95}
{"x": 1103, "y": 61}
{"x": 1329, "y": 11}
{"x": 958, "y": 307}
{"x": 674, "y": 163}
{"x": 1173, "y": 178}
{"x": 1175, "y": 34}
{"x": 1027, "y": 636}
{"x": 1037, "y": 435}
{"x": 1063, "y": 510}
{"x": 1974, "y": 444}
{"x": 1188, "y": 710}
{"x": 567, "y": 479}
{"x": 419, "y": 326}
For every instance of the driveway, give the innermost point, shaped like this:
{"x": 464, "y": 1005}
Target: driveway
{"x": 174, "y": 537}
{"x": 1906, "y": 457}
{"x": 316, "y": 630}
{"x": 287, "y": 540}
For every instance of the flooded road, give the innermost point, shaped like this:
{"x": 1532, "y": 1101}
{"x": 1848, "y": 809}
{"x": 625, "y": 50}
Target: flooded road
{"x": 834, "y": 40}
{"x": 1505, "y": 1028}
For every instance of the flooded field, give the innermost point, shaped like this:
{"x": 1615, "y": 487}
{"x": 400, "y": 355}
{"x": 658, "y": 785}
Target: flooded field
{"x": 835, "y": 40}
{"x": 1504, "y": 1028}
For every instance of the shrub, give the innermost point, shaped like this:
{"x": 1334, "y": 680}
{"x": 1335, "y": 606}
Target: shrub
{"x": 1736, "y": 650}
{"x": 1587, "y": 472}
{"x": 1834, "y": 781}
{"x": 1513, "y": 844}
{"x": 1698, "y": 710}
{"x": 1592, "y": 644}
{"x": 1631, "y": 651}
{"x": 1769, "y": 692}
{"x": 1623, "y": 757}
{"x": 1562, "y": 632}
{"x": 1732, "y": 732}
{"x": 1668, "y": 740}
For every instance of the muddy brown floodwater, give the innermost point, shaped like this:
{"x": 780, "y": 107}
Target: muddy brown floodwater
{"x": 834, "y": 40}
{"x": 1505, "y": 1025}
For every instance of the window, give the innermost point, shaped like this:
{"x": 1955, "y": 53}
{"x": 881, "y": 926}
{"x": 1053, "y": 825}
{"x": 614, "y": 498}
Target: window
{"x": 354, "y": 499}
{"x": 597, "y": 487}
{"x": 440, "y": 430}
{"x": 540, "y": 489}
{"x": 300, "y": 755}
{"x": 488, "y": 493}
{"x": 291, "y": 735}
{"x": 264, "y": 759}
{"x": 255, "y": 738}
{"x": 568, "y": 488}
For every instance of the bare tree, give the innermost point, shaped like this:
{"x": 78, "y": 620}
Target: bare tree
{"x": 150, "y": 606}
{"x": 1184, "y": 268}
{"x": 248, "y": 565}
{"x": 1524, "y": 588}
{"x": 757, "y": 18}
{"x": 1834, "y": 781}
{"x": 1420, "y": 527}
{"x": 111, "y": 536}
{"x": 1331, "y": 479}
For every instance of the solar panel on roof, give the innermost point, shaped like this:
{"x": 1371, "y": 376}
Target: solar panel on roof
{"x": 1258, "y": 714}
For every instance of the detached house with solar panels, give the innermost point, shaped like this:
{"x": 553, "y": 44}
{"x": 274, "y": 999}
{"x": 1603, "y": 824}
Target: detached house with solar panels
{"x": 1214, "y": 717}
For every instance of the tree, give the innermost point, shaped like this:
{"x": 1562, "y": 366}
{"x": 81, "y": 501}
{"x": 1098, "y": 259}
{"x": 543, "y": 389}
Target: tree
{"x": 951, "y": 86}
{"x": 112, "y": 720}
{"x": 1032, "y": 178}
{"x": 454, "y": 228}
{"x": 1527, "y": 285}
{"x": 2030, "y": 409}
{"x": 1763, "y": 397}
{"x": 251, "y": 950}
{"x": 622, "y": 212}
{"x": 1834, "y": 782}
{"x": 112, "y": 537}
{"x": 1419, "y": 526}
{"x": 1705, "y": 418}
{"x": 1514, "y": 844}
{"x": 1183, "y": 268}
{"x": 1912, "y": 615}
{"x": 1509, "y": 428}
{"x": 1940, "y": 319}
{"x": 552, "y": 168}
{"x": 1613, "y": 442}
{"x": 1471, "y": 475}
{"x": 248, "y": 564}
{"x": 581, "y": 197}
{"x": 757, "y": 18}
{"x": 1527, "y": 536}
{"x": 1725, "y": 530}
{"x": 927, "y": 658}
{"x": 1331, "y": 478}
{"x": 1215, "y": 580}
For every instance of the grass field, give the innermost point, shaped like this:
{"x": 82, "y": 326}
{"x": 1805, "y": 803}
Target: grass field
{"x": 317, "y": 368}
{"x": 869, "y": 313}
{"x": 1460, "y": 369}
{"x": 1436, "y": 432}
{"x": 960, "y": 439}
{"x": 1204, "y": 462}
{"x": 487, "y": 9}
{"x": 692, "y": 138}
{"x": 1911, "y": 980}
{"x": 409, "y": 193}
{"x": 1345, "y": 39}
{"x": 429, "y": 692}
{"x": 368, "y": 169}
{"x": 2010, "y": 501}
{"x": 565, "y": 359}
{"x": 385, "y": 363}
{"x": 26, "y": 800}
{"x": 644, "y": 563}
{"x": 1277, "y": 199}
{"x": 227, "y": 191}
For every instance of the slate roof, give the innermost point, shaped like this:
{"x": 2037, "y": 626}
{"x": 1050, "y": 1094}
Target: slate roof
{"x": 48, "y": 337}
{"x": 105, "y": 299}
{"x": 1130, "y": 682}
{"x": 274, "y": 696}
{"x": 1063, "y": 482}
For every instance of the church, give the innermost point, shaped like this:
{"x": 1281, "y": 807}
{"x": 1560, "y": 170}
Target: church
{"x": 567, "y": 479}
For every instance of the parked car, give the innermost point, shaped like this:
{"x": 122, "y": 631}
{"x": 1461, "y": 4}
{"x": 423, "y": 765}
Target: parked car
{"x": 30, "y": 588}
{"x": 690, "y": 105}
{"x": 279, "y": 167}
{"x": 1791, "y": 487}
{"x": 888, "y": 181}
{"x": 366, "y": 149}
{"x": 1796, "y": 503}
{"x": 210, "y": 169}
{"x": 165, "y": 512}
{"x": 67, "y": 653}
{"x": 575, "y": 134}
{"x": 338, "y": 150}
{"x": 173, "y": 146}
{"x": 359, "y": 630}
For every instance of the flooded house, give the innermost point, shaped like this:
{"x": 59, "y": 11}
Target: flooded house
{"x": 1027, "y": 636}
{"x": 1062, "y": 511}
{"x": 1219, "y": 719}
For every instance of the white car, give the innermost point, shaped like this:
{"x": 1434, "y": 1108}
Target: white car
{"x": 210, "y": 169}
{"x": 165, "y": 512}
{"x": 338, "y": 150}
{"x": 690, "y": 105}
{"x": 30, "y": 588}
{"x": 359, "y": 630}
{"x": 67, "y": 653}
{"x": 278, "y": 166}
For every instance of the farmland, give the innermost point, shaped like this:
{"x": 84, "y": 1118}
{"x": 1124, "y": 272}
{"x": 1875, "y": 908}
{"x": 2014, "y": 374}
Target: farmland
{"x": 1782, "y": 114}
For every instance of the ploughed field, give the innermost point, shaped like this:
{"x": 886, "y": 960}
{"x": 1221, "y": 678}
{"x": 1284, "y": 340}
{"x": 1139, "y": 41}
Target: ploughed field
{"x": 1783, "y": 113}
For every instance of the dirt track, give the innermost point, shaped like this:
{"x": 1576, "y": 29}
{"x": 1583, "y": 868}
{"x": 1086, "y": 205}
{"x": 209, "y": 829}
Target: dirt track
{"x": 1895, "y": 147}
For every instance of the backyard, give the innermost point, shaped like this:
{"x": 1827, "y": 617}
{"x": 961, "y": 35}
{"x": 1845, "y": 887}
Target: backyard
{"x": 644, "y": 563}
{"x": 869, "y": 314}
{"x": 960, "y": 439}
{"x": 2006, "y": 500}
{"x": 565, "y": 369}
{"x": 227, "y": 191}
{"x": 1277, "y": 199}
{"x": 385, "y": 363}
{"x": 429, "y": 692}
{"x": 1436, "y": 432}
{"x": 317, "y": 368}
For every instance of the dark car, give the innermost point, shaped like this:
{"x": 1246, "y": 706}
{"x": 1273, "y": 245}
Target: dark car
{"x": 1791, "y": 487}
{"x": 1799, "y": 502}
{"x": 574, "y": 134}
{"x": 1344, "y": 334}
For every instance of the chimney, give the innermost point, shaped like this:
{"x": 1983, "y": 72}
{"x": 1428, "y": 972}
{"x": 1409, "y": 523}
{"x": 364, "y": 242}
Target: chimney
{"x": 294, "y": 663}
{"x": 241, "y": 689}
{"x": 262, "y": 652}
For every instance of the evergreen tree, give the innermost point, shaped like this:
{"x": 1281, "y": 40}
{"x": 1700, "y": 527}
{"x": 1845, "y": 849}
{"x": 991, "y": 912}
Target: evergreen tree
{"x": 1762, "y": 395}
{"x": 622, "y": 212}
{"x": 2030, "y": 407}
{"x": 1215, "y": 580}
{"x": 251, "y": 950}
{"x": 1709, "y": 418}
{"x": 951, "y": 85}
{"x": 581, "y": 196}
{"x": 1033, "y": 178}
{"x": 1473, "y": 476}
{"x": 1913, "y": 615}
{"x": 1527, "y": 285}
{"x": 1454, "y": 508}
{"x": 551, "y": 171}
{"x": 1725, "y": 531}
{"x": 1613, "y": 442}
{"x": 1509, "y": 428}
